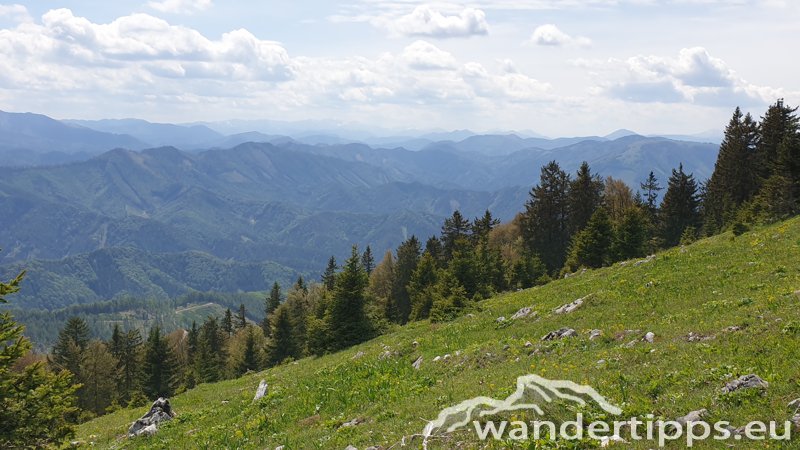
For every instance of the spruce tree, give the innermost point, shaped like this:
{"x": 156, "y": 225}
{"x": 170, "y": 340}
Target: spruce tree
{"x": 482, "y": 226}
{"x": 37, "y": 405}
{"x": 651, "y": 188}
{"x": 448, "y": 298}
{"x": 368, "y": 261}
{"x": 72, "y": 341}
{"x": 270, "y": 305}
{"x": 591, "y": 247}
{"x": 545, "y": 222}
{"x": 679, "y": 208}
{"x": 329, "y": 276}
{"x": 346, "y": 320}
{"x": 210, "y": 356}
{"x": 434, "y": 246}
{"x": 407, "y": 259}
{"x": 630, "y": 236}
{"x": 422, "y": 280}
{"x": 124, "y": 347}
{"x": 250, "y": 358}
{"x": 778, "y": 122}
{"x": 735, "y": 177}
{"x": 241, "y": 317}
{"x": 455, "y": 233}
{"x": 158, "y": 366}
{"x": 281, "y": 344}
{"x": 585, "y": 196}
{"x": 227, "y": 322}
{"x": 381, "y": 282}
{"x": 99, "y": 378}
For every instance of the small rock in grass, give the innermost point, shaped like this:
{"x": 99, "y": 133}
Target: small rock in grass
{"x": 733, "y": 329}
{"x": 446, "y": 357}
{"x": 417, "y": 363}
{"x": 528, "y": 344}
{"x": 796, "y": 421}
{"x": 280, "y": 447}
{"x": 649, "y": 337}
{"x": 572, "y": 306}
{"x": 261, "y": 391}
{"x": 355, "y": 422}
{"x": 601, "y": 362}
{"x": 750, "y": 381}
{"x": 350, "y": 447}
{"x": 358, "y": 355}
{"x": 437, "y": 358}
{"x": 523, "y": 313}
{"x": 470, "y": 315}
{"x": 608, "y": 441}
{"x": 374, "y": 447}
{"x": 644, "y": 261}
{"x": 694, "y": 416}
{"x": 506, "y": 347}
{"x": 794, "y": 404}
{"x": 594, "y": 334}
{"x": 561, "y": 333}
{"x": 415, "y": 343}
{"x": 501, "y": 319}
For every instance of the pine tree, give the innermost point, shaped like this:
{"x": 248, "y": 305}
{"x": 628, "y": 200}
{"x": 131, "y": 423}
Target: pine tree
{"x": 545, "y": 226}
{"x": 36, "y": 404}
{"x": 210, "y": 357}
{"x": 158, "y": 366}
{"x": 528, "y": 271}
{"x": 346, "y": 319}
{"x": 434, "y": 246}
{"x": 735, "y": 177}
{"x": 585, "y": 196}
{"x": 679, "y": 208}
{"x": 368, "y": 261}
{"x": 407, "y": 259}
{"x": 448, "y": 298}
{"x": 227, "y": 322}
{"x": 455, "y": 233}
{"x": 779, "y": 122}
{"x": 329, "y": 276}
{"x": 282, "y": 344}
{"x": 124, "y": 347}
{"x": 241, "y": 318}
{"x": 72, "y": 341}
{"x": 591, "y": 247}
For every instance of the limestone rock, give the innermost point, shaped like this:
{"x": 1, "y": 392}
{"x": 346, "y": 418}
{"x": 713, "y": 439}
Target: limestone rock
{"x": 694, "y": 416}
{"x": 417, "y": 363}
{"x": 594, "y": 334}
{"x": 523, "y": 313}
{"x": 649, "y": 337}
{"x": 161, "y": 411}
{"x": 745, "y": 382}
{"x": 561, "y": 333}
{"x": 261, "y": 391}
{"x": 572, "y": 306}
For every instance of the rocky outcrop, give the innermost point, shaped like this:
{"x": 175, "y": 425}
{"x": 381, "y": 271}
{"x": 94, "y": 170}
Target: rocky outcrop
{"x": 261, "y": 391}
{"x": 572, "y": 306}
{"x": 523, "y": 313}
{"x": 148, "y": 424}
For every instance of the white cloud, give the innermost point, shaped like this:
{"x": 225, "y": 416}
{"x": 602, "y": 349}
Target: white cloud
{"x": 694, "y": 76}
{"x": 180, "y": 6}
{"x": 427, "y": 21}
{"x": 15, "y": 12}
{"x": 551, "y": 35}
{"x": 423, "y": 55}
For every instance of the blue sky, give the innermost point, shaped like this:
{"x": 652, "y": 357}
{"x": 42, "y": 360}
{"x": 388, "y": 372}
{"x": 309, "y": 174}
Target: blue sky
{"x": 557, "y": 67}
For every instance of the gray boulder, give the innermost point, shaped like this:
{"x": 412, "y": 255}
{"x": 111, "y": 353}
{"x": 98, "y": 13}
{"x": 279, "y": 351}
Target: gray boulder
{"x": 751, "y": 381}
{"x": 572, "y": 306}
{"x": 561, "y": 333}
{"x": 594, "y": 334}
{"x": 418, "y": 363}
{"x": 147, "y": 425}
{"x": 523, "y": 313}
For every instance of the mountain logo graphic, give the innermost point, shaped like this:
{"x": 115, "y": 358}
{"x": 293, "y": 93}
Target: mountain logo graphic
{"x": 528, "y": 386}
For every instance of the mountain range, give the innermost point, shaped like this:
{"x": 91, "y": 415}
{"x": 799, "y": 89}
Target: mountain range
{"x": 279, "y": 207}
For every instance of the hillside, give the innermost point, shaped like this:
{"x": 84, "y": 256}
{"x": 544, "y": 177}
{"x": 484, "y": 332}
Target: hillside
{"x": 720, "y": 308}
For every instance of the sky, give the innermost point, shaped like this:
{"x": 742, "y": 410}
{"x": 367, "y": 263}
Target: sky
{"x": 554, "y": 67}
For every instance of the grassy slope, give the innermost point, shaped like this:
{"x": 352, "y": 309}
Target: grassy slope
{"x": 704, "y": 288}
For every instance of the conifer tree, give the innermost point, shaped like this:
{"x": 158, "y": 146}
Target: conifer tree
{"x": 735, "y": 177}
{"x": 381, "y": 282}
{"x": 241, "y": 317}
{"x": 482, "y": 226}
{"x": 778, "y": 122}
{"x": 591, "y": 247}
{"x": 158, "y": 366}
{"x": 36, "y": 404}
{"x": 407, "y": 259}
{"x": 448, "y": 298}
{"x": 630, "y": 236}
{"x": 125, "y": 348}
{"x": 250, "y": 358}
{"x": 434, "y": 246}
{"x": 585, "y": 196}
{"x": 455, "y": 233}
{"x": 210, "y": 356}
{"x": 368, "y": 261}
{"x": 679, "y": 208}
{"x": 346, "y": 319}
{"x": 72, "y": 341}
{"x": 282, "y": 344}
{"x": 329, "y": 276}
{"x": 300, "y": 284}
{"x": 227, "y": 322}
{"x": 422, "y": 280}
{"x": 270, "y": 305}
{"x": 651, "y": 188}
{"x": 545, "y": 222}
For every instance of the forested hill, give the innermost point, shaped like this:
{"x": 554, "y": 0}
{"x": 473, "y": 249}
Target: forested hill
{"x": 290, "y": 205}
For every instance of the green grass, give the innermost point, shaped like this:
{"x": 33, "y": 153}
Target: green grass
{"x": 750, "y": 281}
